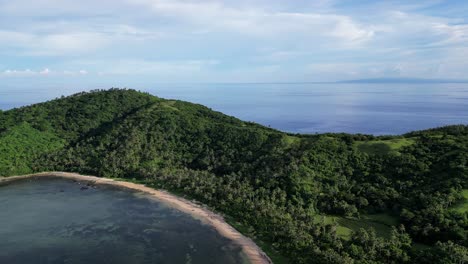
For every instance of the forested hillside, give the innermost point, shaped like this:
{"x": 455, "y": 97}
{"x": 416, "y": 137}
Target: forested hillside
{"x": 327, "y": 198}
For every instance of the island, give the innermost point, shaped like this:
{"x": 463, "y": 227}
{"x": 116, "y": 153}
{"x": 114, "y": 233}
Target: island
{"x": 316, "y": 198}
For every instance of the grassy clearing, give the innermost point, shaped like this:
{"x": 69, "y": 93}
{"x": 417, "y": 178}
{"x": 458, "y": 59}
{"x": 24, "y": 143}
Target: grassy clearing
{"x": 382, "y": 224}
{"x": 291, "y": 140}
{"x": 383, "y": 147}
{"x": 462, "y": 206}
{"x": 170, "y": 104}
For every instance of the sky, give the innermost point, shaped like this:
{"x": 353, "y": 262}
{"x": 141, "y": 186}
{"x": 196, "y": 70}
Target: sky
{"x": 138, "y": 42}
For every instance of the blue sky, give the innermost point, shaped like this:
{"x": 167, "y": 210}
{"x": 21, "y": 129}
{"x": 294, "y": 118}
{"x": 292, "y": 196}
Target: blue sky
{"x": 138, "y": 42}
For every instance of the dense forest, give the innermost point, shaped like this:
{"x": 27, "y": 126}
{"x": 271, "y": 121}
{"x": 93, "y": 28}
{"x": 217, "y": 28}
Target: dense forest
{"x": 324, "y": 198}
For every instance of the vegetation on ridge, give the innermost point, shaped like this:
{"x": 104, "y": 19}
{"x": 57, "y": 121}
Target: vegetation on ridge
{"x": 306, "y": 195}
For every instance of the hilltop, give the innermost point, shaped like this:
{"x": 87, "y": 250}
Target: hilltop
{"x": 303, "y": 198}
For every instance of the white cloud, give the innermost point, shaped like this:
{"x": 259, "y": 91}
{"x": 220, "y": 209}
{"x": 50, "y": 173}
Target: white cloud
{"x": 346, "y": 29}
{"x": 148, "y": 67}
{"x": 72, "y": 42}
{"x": 430, "y": 68}
{"x": 26, "y": 72}
{"x": 52, "y": 44}
{"x": 452, "y": 34}
{"x": 420, "y": 31}
{"x": 280, "y": 55}
{"x": 46, "y": 71}
{"x": 264, "y": 37}
{"x": 43, "y": 8}
{"x": 216, "y": 16}
{"x": 329, "y": 71}
{"x": 43, "y": 72}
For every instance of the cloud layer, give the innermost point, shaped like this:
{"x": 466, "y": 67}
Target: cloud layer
{"x": 216, "y": 40}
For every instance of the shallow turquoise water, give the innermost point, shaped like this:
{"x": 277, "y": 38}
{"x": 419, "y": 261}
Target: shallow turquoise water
{"x": 58, "y": 221}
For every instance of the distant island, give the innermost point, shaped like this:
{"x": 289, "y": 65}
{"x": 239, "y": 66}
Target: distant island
{"x": 404, "y": 80}
{"x": 324, "y": 198}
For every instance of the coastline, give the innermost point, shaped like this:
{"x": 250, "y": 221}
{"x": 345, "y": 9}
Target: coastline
{"x": 253, "y": 253}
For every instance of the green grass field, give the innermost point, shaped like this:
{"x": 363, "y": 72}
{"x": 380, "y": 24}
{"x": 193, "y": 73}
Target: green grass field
{"x": 291, "y": 140}
{"x": 382, "y": 224}
{"x": 383, "y": 147}
{"x": 462, "y": 206}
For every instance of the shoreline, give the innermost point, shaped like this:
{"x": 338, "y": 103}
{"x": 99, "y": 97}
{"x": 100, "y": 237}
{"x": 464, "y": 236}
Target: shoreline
{"x": 253, "y": 253}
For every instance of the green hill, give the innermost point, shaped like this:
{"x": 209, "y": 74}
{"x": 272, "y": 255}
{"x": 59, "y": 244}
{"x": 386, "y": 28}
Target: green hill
{"x": 304, "y": 198}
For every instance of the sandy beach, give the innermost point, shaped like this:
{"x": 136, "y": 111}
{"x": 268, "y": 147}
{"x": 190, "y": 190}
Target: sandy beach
{"x": 251, "y": 250}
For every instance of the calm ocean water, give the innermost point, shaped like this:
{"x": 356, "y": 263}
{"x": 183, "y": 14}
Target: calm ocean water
{"x": 55, "y": 221}
{"x": 311, "y": 108}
